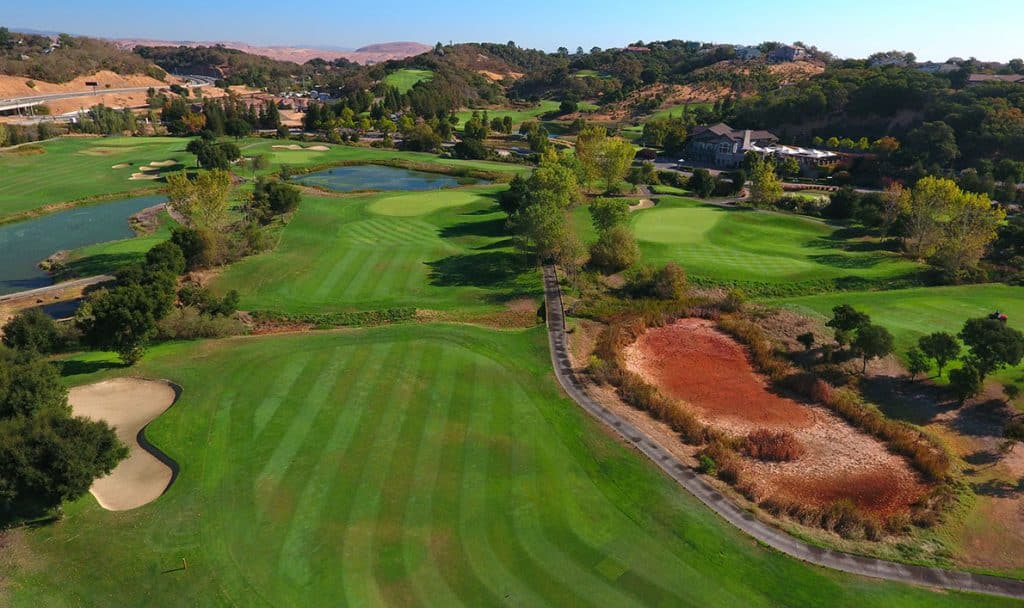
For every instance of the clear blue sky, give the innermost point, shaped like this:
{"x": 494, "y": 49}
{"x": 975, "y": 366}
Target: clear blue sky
{"x": 933, "y": 29}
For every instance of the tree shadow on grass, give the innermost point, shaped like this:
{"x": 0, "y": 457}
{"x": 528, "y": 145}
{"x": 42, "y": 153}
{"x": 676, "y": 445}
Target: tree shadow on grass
{"x": 998, "y": 488}
{"x": 493, "y": 228}
{"x": 74, "y": 367}
{"x": 846, "y": 261}
{"x": 492, "y": 269}
{"x": 101, "y": 263}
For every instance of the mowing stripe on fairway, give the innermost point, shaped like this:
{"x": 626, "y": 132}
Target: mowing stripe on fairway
{"x": 282, "y": 388}
{"x": 294, "y": 558}
{"x": 361, "y": 588}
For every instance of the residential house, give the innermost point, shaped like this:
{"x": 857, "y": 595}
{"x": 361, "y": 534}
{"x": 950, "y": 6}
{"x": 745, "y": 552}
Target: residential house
{"x": 786, "y": 53}
{"x": 976, "y": 79}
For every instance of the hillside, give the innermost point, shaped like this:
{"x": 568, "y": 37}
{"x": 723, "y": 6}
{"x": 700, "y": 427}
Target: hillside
{"x": 62, "y": 59}
{"x": 374, "y": 53}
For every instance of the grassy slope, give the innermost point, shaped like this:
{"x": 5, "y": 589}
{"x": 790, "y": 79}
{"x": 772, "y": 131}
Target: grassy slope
{"x": 406, "y": 78}
{"x": 408, "y": 465}
{"x": 518, "y": 116}
{"x": 912, "y": 313}
{"x": 747, "y": 247}
{"x": 75, "y": 167}
{"x": 442, "y": 250}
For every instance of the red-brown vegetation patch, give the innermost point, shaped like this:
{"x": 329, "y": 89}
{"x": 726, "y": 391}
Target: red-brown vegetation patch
{"x": 692, "y": 361}
{"x": 773, "y": 446}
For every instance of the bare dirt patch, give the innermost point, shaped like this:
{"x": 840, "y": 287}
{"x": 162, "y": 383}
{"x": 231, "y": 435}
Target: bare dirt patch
{"x": 695, "y": 363}
{"x": 128, "y": 404}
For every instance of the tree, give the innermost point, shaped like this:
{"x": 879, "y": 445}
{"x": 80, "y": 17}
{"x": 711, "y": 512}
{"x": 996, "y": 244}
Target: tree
{"x": 789, "y": 167}
{"x": 271, "y": 198}
{"x": 917, "y": 362}
{"x": 965, "y": 382}
{"x": 806, "y": 339}
{"x": 124, "y": 319}
{"x": 204, "y": 201}
{"x": 543, "y": 227}
{"x": 765, "y": 185}
{"x": 588, "y": 144}
{"x": 613, "y": 159}
{"x": 993, "y": 344}
{"x": 846, "y": 321}
{"x": 970, "y": 226}
{"x": 940, "y": 346}
{"x": 930, "y": 201}
{"x": 615, "y": 249}
{"x": 568, "y": 106}
{"x": 606, "y": 213}
{"x": 166, "y": 256}
{"x": 872, "y": 342}
{"x": 32, "y": 330}
{"x": 702, "y": 183}
{"x": 933, "y": 143}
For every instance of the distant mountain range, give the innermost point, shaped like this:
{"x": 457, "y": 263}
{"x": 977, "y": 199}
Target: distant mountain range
{"x": 373, "y": 53}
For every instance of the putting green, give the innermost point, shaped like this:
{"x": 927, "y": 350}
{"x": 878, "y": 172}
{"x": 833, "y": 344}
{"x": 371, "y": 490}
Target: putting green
{"x": 741, "y": 246}
{"x": 421, "y": 203}
{"x": 401, "y": 466}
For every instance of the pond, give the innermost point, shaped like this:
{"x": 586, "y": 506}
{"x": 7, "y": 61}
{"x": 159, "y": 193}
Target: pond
{"x": 378, "y": 177}
{"x": 24, "y": 244}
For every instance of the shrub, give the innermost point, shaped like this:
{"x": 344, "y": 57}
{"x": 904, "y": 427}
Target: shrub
{"x": 780, "y": 446}
{"x": 706, "y": 465}
{"x": 615, "y": 250}
{"x": 188, "y": 323}
{"x": 726, "y": 460}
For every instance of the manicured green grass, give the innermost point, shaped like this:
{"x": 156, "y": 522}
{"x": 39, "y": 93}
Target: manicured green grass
{"x": 407, "y": 465}
{"x": 518, "y": 115}
{"x": 337, "y": 153}
{"x": 677, "y": 110}
{"x": 442, "y": 250}
{"x": 590, "y": 74}
{"x": 79, "y": 167}
{"x": 406, "y": 78}
{"x": 743, "y": 247}
{"x": 912, "y": 313}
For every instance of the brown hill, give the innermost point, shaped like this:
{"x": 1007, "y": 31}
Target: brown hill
{"x": 374, "y": 53}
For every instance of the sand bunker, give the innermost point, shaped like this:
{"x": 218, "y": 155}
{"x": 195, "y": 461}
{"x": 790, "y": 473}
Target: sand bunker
{"x": 295, "y": 147}
{"x": 694, "y": 362}
{"x": 163, "y": 163}
{"x": 136, "y": 176}
{"x": 644, "y": 203}
{"x": 121, "y": 166}
{"x": 127, "y": 404}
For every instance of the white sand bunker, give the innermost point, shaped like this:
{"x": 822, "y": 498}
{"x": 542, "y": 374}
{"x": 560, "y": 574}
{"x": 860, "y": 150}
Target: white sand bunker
{"x": 144, "y": 176}
{"x": 121, "y": 166}
{"x": 127, "y": 404}
{"x": 295, "y": 147}
{"x": 163, "y": 163}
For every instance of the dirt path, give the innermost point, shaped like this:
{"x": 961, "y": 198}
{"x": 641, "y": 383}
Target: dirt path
{"x": 129, "y": 404}
{"x": 745, "y": 521}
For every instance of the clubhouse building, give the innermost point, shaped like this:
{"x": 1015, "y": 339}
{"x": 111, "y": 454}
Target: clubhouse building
{"x": 723, "y": 147}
